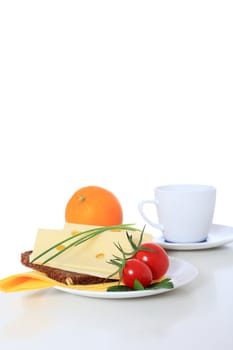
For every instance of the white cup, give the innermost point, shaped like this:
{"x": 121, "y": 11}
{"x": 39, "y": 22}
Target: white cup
{"x": 185, "y": 212}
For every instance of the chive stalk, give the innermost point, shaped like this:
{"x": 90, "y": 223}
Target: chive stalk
{"x": 88, "y": 235}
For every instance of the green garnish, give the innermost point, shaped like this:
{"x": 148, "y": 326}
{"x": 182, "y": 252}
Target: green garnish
{"x": 83, "y": 237}
{"x": 166, "y": 283}
{"x": 120, "y": 262}
{"x": 137, "y": 285}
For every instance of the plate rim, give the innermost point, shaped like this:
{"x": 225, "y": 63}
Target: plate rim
{"x": 193, "y": 270}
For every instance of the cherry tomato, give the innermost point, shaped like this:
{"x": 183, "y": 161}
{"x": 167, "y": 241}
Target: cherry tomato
{"x": 157, "y": 260}
{"x": 136, "y": 270}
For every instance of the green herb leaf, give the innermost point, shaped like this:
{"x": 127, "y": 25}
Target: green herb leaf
{"x": 137, "y": 285}
{"x": 119, "y": 288}
{"x": 165, "y": 283}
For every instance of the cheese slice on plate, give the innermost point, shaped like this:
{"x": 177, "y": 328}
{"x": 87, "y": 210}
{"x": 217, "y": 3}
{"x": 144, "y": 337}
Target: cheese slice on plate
{"x": 90, "y": 257}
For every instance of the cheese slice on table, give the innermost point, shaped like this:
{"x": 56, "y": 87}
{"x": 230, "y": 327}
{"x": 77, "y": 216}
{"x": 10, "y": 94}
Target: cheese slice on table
{"x": 90, "y": 257}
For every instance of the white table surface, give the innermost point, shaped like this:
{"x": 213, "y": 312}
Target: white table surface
{"x": 198, "y": 315}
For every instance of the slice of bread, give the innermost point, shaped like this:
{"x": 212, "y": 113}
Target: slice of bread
{"x": 62, "y": 276}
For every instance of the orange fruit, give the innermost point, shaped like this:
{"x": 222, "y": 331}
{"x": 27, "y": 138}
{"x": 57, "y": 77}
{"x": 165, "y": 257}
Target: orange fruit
{"x": 93, "y": 205}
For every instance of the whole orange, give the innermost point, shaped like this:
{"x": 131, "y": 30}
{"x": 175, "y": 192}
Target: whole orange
{"x": 93, "y": 205}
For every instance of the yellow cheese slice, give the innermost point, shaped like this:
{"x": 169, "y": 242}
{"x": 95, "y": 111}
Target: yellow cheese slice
{"x": 90, "y": 257}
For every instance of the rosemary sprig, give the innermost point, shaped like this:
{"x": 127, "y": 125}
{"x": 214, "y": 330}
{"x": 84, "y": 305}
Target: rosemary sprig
{"x": 120, "y": 262}
{"x": 85, "y": 235}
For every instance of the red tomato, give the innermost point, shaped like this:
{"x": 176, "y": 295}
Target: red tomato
{"x": 157, "y": 260}
{"x": 136, "y": 270}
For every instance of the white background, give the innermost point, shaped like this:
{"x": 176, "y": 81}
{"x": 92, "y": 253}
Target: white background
{"x": 126, "y": 95}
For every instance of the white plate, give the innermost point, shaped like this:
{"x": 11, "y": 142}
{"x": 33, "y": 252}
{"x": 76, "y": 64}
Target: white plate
{"x": 218, "y": 235}
{"x": 180, "y": 271}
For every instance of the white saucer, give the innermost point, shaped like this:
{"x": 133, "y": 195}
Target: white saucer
{"x": 218, "y": 235}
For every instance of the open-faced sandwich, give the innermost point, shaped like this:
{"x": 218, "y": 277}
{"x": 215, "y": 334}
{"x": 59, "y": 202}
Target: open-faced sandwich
{"x": 84, "y": 263}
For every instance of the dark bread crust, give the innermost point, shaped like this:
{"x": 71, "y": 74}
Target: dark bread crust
{"x": 62, "y": 276}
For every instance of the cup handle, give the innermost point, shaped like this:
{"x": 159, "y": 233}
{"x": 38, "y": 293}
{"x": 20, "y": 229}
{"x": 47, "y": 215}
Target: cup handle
{"x": 141, "y": 211}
